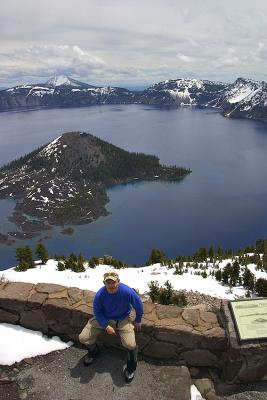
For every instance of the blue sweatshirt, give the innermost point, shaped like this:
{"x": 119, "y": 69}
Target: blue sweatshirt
{"x": 117, "y": 306}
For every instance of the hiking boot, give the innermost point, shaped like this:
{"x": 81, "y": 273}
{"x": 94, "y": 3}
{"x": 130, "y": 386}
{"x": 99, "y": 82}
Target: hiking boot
{"x": 130, "y": 367}
{"x": 128, "y": 376}
{"x": 91, "y": 355}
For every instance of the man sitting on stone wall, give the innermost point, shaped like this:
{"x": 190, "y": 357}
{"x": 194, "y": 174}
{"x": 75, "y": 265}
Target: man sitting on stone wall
{"x": 112, "y": 306}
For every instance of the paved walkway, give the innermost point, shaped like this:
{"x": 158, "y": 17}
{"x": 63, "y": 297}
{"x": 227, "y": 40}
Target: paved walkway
{"x": 61, "y": 376}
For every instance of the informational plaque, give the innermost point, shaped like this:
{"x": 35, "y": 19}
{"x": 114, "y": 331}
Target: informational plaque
{"x": 250, "y": 318}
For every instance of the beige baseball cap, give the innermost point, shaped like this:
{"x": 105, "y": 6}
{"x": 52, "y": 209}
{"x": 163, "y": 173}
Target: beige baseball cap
{"x": 111, "y": 275}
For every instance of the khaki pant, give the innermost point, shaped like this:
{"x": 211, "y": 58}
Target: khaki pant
{"x": 125, "y": 328}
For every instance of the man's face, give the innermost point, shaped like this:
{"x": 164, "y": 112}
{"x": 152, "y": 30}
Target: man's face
{"x": 112, "y": 286}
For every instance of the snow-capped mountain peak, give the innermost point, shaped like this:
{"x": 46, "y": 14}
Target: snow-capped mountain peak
{"x": 64, "y": 80}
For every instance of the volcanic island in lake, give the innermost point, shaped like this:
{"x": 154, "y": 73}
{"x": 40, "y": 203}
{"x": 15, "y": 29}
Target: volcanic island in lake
{"x": 65, "y": 181}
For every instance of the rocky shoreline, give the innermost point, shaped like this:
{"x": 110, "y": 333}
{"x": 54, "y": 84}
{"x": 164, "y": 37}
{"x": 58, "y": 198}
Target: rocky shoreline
{"x": 5, "y": 239}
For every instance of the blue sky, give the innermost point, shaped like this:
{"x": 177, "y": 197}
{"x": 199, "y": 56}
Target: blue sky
{"x": 132, "y": 42}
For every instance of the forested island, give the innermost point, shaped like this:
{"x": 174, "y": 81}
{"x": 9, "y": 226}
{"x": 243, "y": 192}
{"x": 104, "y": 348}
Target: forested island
{"x": 65, "y": 181}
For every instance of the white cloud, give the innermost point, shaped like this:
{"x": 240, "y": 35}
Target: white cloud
{"x": 185, "y": 58}
{"x": 46, "y": 60}
{"x": 92, "y": 39}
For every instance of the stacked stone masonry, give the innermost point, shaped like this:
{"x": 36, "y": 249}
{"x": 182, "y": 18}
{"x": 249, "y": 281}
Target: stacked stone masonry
{"x": 194, "y": 336}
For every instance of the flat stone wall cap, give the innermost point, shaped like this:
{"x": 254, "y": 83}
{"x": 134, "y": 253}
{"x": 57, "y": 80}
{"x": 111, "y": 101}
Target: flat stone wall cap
{"x": 148, "y": 307}
{"x": 37, "y": 298}
{"x": 147, "y": 322}
{"x": 208, "y": 316}
{"x": 75, "y": 295}
{"x": 49, "y": 288}
{"x": 168, "y": 311}
{"x": 88, "y": 296}
{"x": 216, "y": 332}
{"x": 85, "y": 309}
{"x": 62, "y": 294}
{"x": 191, "y": 316}
{"x": 169, "y": 322}
{"x": 59, "y": 303}
{"x": 16, "y": 290}
{"x": 202, "y": 307}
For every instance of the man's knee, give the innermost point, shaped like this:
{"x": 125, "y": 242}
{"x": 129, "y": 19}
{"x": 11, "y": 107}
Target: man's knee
{"x": 90, "y": 332}
{"x": 82, "y": 338}
{"x": 86, "y": 333}
{"x": 129, "y": 342}
{"x": 130, "y": 346}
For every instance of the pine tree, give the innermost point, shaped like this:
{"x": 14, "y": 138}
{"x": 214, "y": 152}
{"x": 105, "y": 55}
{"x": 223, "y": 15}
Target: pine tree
{"x": 234, "y": 273}
{"x": 80, "y": 262}
{"x": 24, "y": 254}
{"x": 220, "y": 251}
{"x": 264, "y": 257}
{"x": 211, "y": 253}
{"x": 29, "y": 257}
{"x": 19, "y": 254}
{"x": 60, "y": 266}
{"x": 218, "y": 275}
{"x": 42, "y": 253}
{"x": 248, "y": 279}
{"x": 156, "y": 256}
{"x": 226, "y": 273}
{"x": 22, "y": 266}
{"x": 261, "y": 287}
{"x": 93, "y": 262}
{"x": 153, "y": 291}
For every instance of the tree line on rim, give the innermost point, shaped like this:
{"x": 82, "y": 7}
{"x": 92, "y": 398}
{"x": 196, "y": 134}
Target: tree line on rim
{"x": 203, "y": 262}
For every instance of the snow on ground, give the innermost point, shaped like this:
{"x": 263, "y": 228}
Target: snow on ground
{"x": 18, "y": 343}
{"x": 138, "y": 278}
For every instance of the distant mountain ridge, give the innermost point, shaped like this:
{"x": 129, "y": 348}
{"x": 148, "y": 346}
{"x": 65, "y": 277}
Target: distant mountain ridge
{"x": 62, "y": 91}
{"x": 245, "y": 98}
{"x": 183, "y": 92}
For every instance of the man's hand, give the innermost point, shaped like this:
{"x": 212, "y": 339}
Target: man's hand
{"x": 110, "y": 330}
{"x": 137, "y": 326}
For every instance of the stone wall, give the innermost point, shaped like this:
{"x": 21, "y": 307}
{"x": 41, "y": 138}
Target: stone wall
{"x": 191, "y": 335}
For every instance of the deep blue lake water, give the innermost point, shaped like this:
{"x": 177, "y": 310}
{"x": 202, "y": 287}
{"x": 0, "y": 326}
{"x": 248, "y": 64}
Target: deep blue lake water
{"x": 223, "y": 202}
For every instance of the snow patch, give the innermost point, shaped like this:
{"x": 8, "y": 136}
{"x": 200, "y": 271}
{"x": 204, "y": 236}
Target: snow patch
{"x": 240, "y": 94}
{"x": 45, "y": 199}
{"x": 18, "y": 343}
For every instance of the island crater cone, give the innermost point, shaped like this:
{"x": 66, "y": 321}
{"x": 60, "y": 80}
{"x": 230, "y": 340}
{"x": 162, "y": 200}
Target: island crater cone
{"x": 65, "y": 181}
